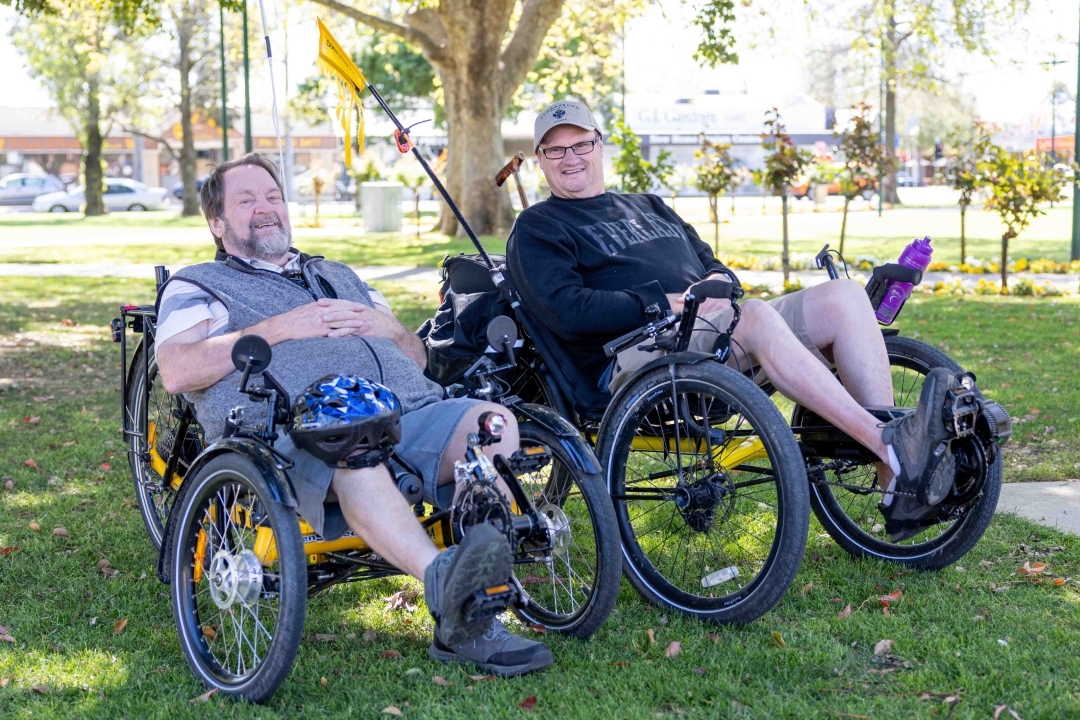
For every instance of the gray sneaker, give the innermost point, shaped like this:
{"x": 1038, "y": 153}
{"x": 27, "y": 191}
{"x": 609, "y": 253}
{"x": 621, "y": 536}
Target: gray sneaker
{"x": 497, "y": 651}
{"x": 482, "y": 560}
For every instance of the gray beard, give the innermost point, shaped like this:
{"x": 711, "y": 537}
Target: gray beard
{"x": 266, "y": 248}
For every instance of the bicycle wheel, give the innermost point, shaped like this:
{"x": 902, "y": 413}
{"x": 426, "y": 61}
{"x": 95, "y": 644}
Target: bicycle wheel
{"x": 849, "y": 513}
{"x": 160, "y": 429}
{"x": 572, "y": 589}
{"x": 240, "y": 620}
{"x": 709, "y": 490}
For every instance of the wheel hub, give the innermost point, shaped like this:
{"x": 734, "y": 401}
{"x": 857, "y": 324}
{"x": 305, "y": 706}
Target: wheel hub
{"x": 697, "y": 501}
{"x": 235, "y": 578}
{"x": 558, "y": 527}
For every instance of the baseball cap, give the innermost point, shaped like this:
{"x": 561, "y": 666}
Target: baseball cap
{"x": 563, "y": 112}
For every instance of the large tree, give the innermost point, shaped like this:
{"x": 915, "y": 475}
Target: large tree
{"x": 81, "y": 54}
{"x": 483, "y": 51}
{"x": 908, "y": 39}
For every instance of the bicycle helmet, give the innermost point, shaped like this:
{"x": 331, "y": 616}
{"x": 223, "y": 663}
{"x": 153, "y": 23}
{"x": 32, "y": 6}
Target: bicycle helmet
{"x": 339, "y": 414}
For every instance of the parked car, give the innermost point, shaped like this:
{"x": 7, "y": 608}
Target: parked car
{"x": 120, "y": 194}
{"x": 867, "y": 188}
{"x": 22, "y": 189}
{"x": 178, "y": 188}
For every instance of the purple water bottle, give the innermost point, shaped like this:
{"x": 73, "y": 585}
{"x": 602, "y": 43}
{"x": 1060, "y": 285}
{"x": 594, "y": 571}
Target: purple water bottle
{"x": 917, "y": 256}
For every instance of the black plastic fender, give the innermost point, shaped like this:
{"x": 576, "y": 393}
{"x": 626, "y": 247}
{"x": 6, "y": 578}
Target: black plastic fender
{"x": 260, "y": 456}
{"x": 572, "y": 441}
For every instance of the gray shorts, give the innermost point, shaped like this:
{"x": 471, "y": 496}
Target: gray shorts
{"x": 790, "y": 308}
{"x": 425, "y": 433}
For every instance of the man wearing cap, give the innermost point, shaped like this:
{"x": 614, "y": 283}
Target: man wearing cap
{"x": 597, "y": 259}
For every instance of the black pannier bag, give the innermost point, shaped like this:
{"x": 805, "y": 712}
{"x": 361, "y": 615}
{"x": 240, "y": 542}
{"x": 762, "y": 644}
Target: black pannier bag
{"x": 456, "y": 337}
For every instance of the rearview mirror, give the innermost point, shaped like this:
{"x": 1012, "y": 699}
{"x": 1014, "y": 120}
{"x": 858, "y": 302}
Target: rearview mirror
{"x": 251, "y": 354}
{"x": 502, "y": 333}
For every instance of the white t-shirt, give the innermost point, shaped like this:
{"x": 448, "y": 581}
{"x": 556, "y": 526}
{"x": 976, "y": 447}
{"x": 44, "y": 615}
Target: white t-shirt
{"x": 192, "y": 305}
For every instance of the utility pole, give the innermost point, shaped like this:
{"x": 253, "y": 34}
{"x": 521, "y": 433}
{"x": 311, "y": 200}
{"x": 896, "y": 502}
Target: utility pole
{"x": 224, "y": 90}
{"x": 247, "y": 84}
{"x": 1074, "y": 253}
{"x": 1052, "y": 63}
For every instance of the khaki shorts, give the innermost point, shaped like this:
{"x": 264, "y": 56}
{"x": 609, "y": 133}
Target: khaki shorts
{"x": 704, "y": 336}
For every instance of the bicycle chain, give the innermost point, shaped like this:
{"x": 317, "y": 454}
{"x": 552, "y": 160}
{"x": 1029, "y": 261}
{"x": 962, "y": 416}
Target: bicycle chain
{"x": 858, "y": 489}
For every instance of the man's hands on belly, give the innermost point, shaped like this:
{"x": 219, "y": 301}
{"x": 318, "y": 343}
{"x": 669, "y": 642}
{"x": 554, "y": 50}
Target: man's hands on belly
{"x": 351, "y": 318}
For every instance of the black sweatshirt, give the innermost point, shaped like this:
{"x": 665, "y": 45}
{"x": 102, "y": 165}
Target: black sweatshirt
{"x": 589, "y": 268}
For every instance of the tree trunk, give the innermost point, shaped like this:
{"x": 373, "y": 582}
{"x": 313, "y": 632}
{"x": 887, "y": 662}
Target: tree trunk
{"x": 188, "y": 155}
{"x": 889, "y": 190}
{"x": 474, "y": 127}
{"x": 714, "y": 202}
{"x": 843, "y": 224}
{"x": 673, "y": 196}
{"x": 732, "y": 203}
{"x": 1004, "y": 257}
{"x": 785, "y": 257}
{"x": 416, "y": 206}
{"x": 963, "y": 233}
{"x": 93, "y": 171}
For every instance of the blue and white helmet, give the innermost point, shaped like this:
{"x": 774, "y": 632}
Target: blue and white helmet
{"x": 340, "y": 414}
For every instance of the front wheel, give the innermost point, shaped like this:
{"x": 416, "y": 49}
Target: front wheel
{"x": 58, "y": 209}
{"x": 240, "y": 618}
{"x": 846, "y": 504}
{"x": 137, "y": 208}
{"x": 709, "y": 489}
{"x": 573, "y": 587}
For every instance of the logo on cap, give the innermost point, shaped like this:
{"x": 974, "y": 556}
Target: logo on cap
{"x": 559, "y": 114}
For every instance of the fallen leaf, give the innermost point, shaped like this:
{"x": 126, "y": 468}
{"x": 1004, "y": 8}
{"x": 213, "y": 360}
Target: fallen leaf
{"x": 110, "y": 572}
{"x": 322, "y": 681}
{"x": 30, "y": 462}
{"x": 882, "y": 671}
{"x": 998, "y": 710}
{"x": 402, "y": 600}
{"x": 837, "y": 600}
{"x": 319, "y": 637}
{"x": 370, "y": 635}
{"x": 67, "y": 322}
{"x": 61, "y": 532}
{"x": 619, "y": 664}
{"x": 885, "y": 611}
{"x": 652, "y": 636}
{"x": 701, "y": 670}
{"x": 412, "y": 671}
{"x": 528, "y": 703}
{"x": 119, "y": 627}
{"x": 390, "y": 710}
{"x": 103, "y": 563}
{"x": 40, "y": 689}
{"x": 4, "y": 637}
{"x": 1057, "y": 581}
{"x": 892, "y": 597}
{"x": 15, "y": 548}
{"x": 673, "y": 649}
{"x": 391, "y": 654}
{"x": 205, "y": 697}
{"x": 4, "y": 682}
{"x": 538, "y": 628}
{"x": 714, "y": 637}
{"x": 4, "y": 629}
{"x": 9, "y": 486}
{"x": 93, "y": 621}
{"x": 960, "y": 568}
{"x": 778, "y": 639}
{"x": 986, "y": 563}
{"x": 1031, "y": 568}
{"x": 34, "y": 526}
{"x": 878, "y": 527}
{"x": 883, "y": 646}
{"x": 845, "y": 613}
{"x": 69, "y": 443}
{"x": 105, "y": 466}
{"x": 481, "y": 678}
{"x": 32, "y": 420}
{"x": 209, "y": 633}
{"x": 440, "y": 681}
{"x": 806, "y": 588}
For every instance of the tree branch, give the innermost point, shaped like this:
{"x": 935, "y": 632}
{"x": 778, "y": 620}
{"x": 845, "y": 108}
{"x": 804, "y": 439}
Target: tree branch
{"x": 430, "y": 48}
{"x": 157, "y": 138}
{"x": 519, "y": 55}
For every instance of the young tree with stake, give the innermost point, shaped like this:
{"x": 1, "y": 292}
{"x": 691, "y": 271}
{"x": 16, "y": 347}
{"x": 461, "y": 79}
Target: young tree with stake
{"x": 963, "y": 175}
{"x": 716, "y": 175}
{"x": 863, "y": 156}
{"x": 783, "y": 163}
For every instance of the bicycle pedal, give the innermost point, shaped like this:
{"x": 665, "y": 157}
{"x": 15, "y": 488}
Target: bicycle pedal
{"x": 962, "y": 409}
{"x": 489, "y": 602}
{"x": 530, "y": 459}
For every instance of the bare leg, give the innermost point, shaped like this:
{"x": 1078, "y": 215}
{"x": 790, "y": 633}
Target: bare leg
{"x": 377, "y": 511}
{"x": 455, "y": 449}
{"x": 801, "y": 377}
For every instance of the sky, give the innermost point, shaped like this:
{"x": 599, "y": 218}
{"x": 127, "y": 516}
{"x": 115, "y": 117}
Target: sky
{"x": 1010, "y": 89}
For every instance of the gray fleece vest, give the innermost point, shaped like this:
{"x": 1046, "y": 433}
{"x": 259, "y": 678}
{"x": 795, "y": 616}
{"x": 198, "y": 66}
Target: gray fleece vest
{"x": 252, "y": 295}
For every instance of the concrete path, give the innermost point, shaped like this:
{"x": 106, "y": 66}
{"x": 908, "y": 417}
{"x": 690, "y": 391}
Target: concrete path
{"x": 1053, "y": 504}
{"x": 772, "y": 278}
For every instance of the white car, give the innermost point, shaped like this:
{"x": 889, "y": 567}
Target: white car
{"x": 21, "y": 188}
{"x": 120, "y": 194}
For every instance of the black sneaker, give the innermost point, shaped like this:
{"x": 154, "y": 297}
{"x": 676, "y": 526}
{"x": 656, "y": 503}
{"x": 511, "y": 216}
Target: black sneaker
{"x": 927, "y": 468}
{"x": 496, "y": 651}
{"x": 482, "y": 560}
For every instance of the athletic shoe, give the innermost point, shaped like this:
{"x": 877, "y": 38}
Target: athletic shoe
{"x": 481, "y": 561}
{"x": 497, "y": 651}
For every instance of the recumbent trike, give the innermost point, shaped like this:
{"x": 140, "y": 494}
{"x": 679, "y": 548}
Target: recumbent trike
{"x": 241, "y": 562}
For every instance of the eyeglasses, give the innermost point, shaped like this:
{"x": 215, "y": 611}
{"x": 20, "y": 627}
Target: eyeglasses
{"x": 581, "y": 148}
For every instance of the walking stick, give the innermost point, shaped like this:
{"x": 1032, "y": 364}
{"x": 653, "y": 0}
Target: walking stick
{"x": 513, "y": 167}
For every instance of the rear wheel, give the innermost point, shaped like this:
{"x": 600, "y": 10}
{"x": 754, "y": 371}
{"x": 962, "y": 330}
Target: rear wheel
{"x": 137, "y": 208}
{"x": 239, "y": 614}
{"x": 849, "y": 513}
{"x": 709, "y": 491}
{"x": 58, "y": 209}
{"x": 155, "y": 438}
{"x": 572, "y": 588}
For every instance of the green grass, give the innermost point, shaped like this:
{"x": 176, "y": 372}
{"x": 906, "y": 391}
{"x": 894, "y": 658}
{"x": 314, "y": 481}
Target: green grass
{"x": 155, "y": 238}
{"x": 51, "y": 588}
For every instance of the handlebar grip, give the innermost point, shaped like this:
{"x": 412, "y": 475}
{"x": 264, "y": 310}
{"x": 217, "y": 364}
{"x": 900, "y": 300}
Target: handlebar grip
{"x": 719, "y": 289}
{"x": 899, "y": 273}
{"x": 619, "y": 344}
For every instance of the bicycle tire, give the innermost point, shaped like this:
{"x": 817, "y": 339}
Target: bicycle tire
{"x": 788, "y": 519}
{"x": 952, "y": 542}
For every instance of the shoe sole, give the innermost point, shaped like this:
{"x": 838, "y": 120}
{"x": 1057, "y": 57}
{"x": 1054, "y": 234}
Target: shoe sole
{"x": 538, "y": 662}
{"x": 483, "y": 559}
{"x": 935, "y": 387}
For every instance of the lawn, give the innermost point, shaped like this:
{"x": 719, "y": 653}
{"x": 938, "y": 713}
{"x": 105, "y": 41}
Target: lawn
{"x": 961, "y": 645}
{"x": 164, "y": 238}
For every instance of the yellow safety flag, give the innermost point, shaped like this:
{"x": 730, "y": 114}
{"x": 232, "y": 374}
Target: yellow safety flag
{"x": 336, "y": 64}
